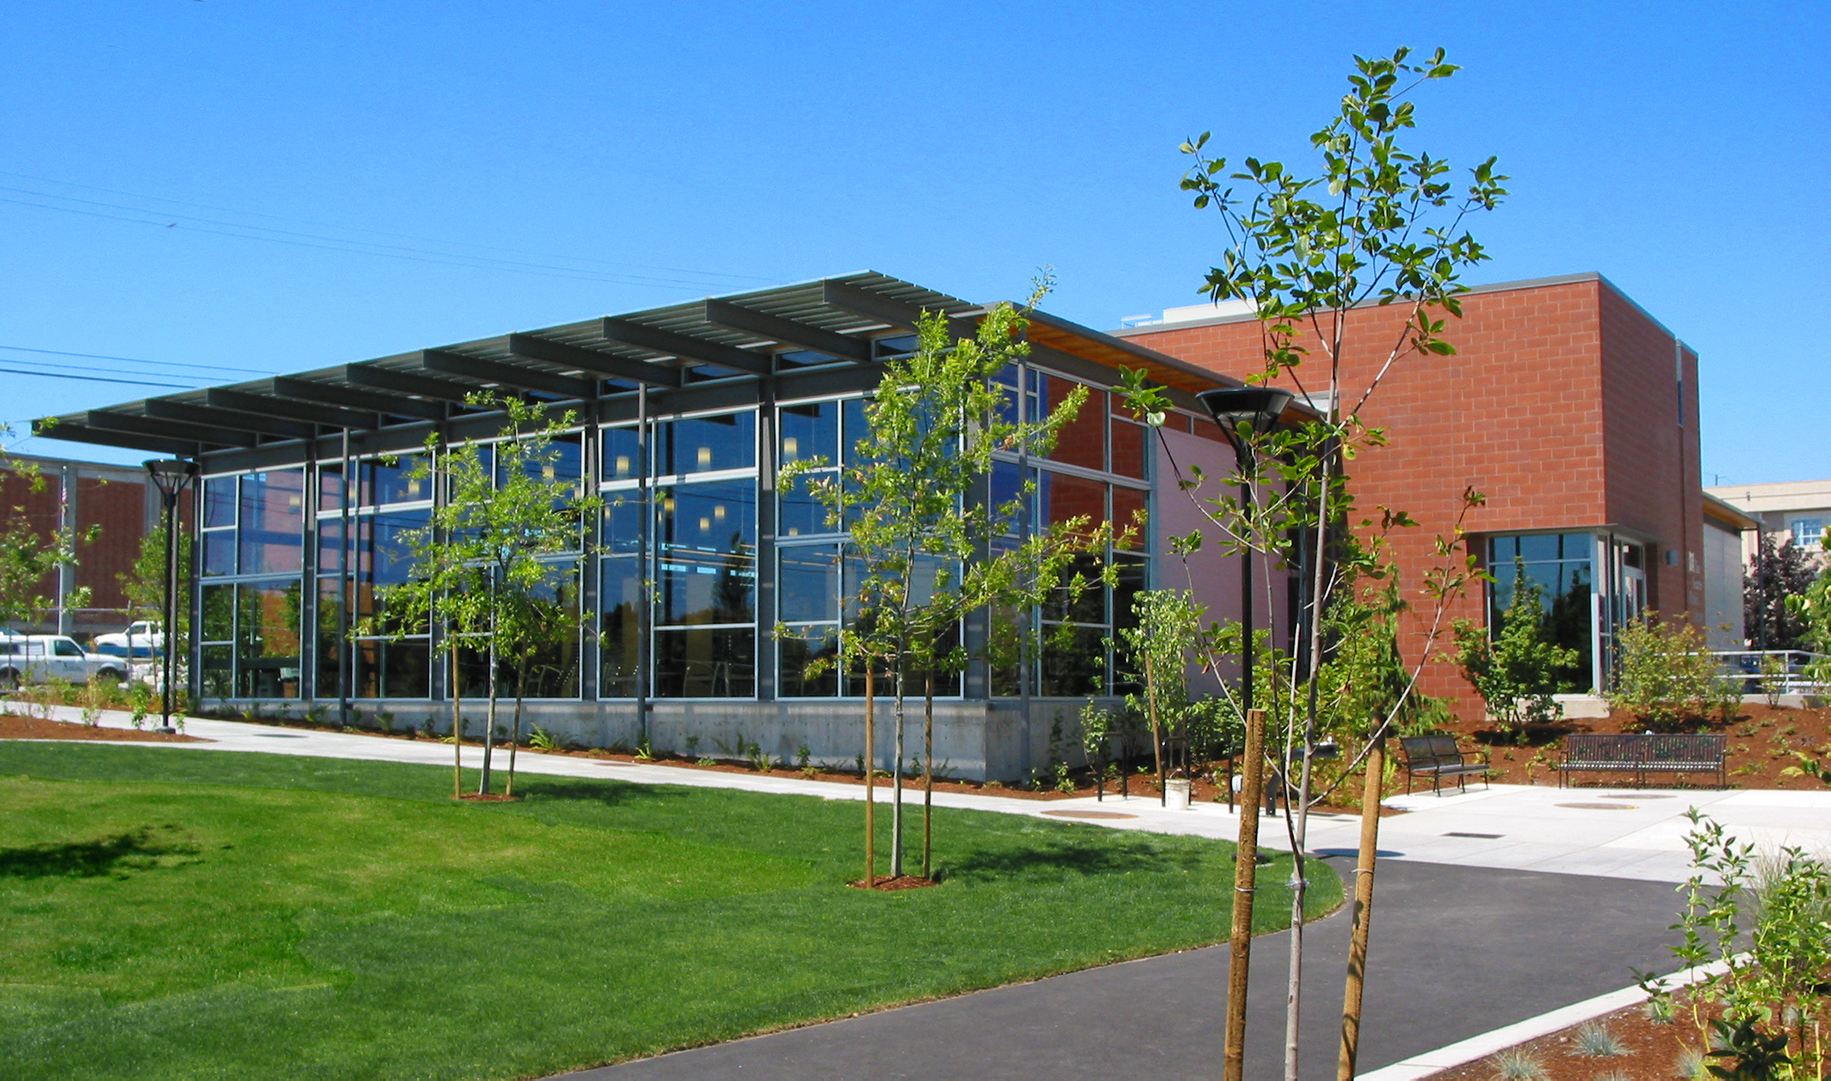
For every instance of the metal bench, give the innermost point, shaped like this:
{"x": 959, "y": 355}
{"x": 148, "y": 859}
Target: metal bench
{"x": 1644, "y": 753}
{"x": 1439, "y": 757}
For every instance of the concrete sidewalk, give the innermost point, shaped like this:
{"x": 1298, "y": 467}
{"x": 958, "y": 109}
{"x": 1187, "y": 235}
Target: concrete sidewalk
{"x": 1618, "y": 833}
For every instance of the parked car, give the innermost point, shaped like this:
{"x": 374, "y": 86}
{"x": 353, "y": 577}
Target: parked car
{"x": 141, "y": 639}
{"x": 38, "y": 658}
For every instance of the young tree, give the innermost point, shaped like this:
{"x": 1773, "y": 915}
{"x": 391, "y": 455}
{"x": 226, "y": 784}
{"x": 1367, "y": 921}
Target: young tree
{"x": 484, "y": 568}
{"x": 144, "y": 587}
{"x": 1374, "y": 225}
{"x": 30, "y": 553}
{"x": 1776, "y": 572}
{"x": 1160, "y": 646}
{"x": 1516, "y": 673}
{"x": 921, "y": 533}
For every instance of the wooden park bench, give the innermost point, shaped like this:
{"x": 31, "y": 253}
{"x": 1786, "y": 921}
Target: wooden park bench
{"x": 1645, "y": 753}
{"x": 1439, "y": 757}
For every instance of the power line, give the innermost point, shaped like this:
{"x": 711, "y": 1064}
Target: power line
{"x": 97, "y": 379}
{"x": 359, "y": 247}
{"x": 379, "y": 232}
{"x": 134, "y": 360}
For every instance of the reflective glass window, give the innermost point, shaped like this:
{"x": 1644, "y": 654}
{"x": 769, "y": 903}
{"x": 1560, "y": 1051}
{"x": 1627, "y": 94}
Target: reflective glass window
{"x": 622, "y": 453}
{"x": 808, "y": 584}
{"x": 620, "y": 602}
{"x": 705, "y": 444}
{"x": 272, "y": 521}
{"x": 218, "y": 502}
{"x": 810, "y": 430}
{"x": 705, "y": 662}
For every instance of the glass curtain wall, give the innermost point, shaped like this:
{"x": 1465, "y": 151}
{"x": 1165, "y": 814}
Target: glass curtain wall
{"x": 253, "y": 535}
{"x": 386, "y": 504}
{"x": 701, "y": 510}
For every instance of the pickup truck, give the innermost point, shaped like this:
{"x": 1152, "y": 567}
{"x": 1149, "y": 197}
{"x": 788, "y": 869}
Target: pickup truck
{"x": 141, "y": 639}
{"x": 38, "y": 658}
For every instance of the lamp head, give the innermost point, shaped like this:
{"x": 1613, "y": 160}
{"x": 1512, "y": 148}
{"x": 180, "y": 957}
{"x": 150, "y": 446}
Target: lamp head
{"x": 1244, "y": 410}
{"x": 171, "y": 475}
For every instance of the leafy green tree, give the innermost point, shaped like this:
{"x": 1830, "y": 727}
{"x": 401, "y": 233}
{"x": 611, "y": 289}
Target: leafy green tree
{"x": 922, "y": 534}
{"x": 30, "y": 555}
{"x": 1160, "y": 647}
{"x": 1516, "y": 673}
{"x": 1665, "y": 675}
{"x": 1775, "y": 573}
{"x": 143, "y": 585}
{"x": 489, "y": 567}
{"x": 1374, "y": 224}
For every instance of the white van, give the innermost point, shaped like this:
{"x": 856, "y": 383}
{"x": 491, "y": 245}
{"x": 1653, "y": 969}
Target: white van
{"x": 141, "y": 639}
{"x": 38, "y": 658}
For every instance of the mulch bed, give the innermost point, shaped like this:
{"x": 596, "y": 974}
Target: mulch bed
{"x": 901, "y": 882}
{"x": 1650, "y": 1051}
{"x": 13, "y": 726}
{"x": 1761, "y": 741}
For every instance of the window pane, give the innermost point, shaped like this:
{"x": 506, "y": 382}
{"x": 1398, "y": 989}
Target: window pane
{"x": 808, "y": 586}
{"x": 803, "y": 647}
{"x": 1538, "y": 547}
{"x": 1064, "y": 498}
{"x": 330, "y": 603}
{"x": 1081, "y": 441}
{"x": 623, "y": 522}
{"x": 1131, "y": 447}
{"x": 622, "y": 454}
{"x": 701, "y": 662}
{"x": 218, "y": 501}
{"x": 330, "y": 545}
{"x": 219, "y": 552}
{"x": 1006, "y": 493}
{"x": 1128, "y": 513}
{"x": 704, "y": 587}
{"x": 1086, "y": 606}
{"x": 330, "y": 488}
{"x": 219, "y": 671}
{"x": 272, "y": 521}
{"x": 810, "y": 430}
{"x": 218, "y": 614}
{"x": 561, "y": 464}
{"x": 619, "y": 627}
{"x": 267, "y": 640}
{"x": 854, "y": 429}
{"x": 387, "y": 669}
{"x": 1074, "y": 663}
{"x": 703, "y": 444}
{"x": 382, "y": 558}
{"x": 1577, "y": 546}
{"x": 386, "y": 480}
{"x": 799, "y": 513}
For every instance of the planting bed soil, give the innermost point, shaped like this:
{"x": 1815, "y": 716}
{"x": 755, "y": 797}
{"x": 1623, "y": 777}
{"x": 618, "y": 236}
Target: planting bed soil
{"x": 13, "y": 726}
{"x": 1650, "y": 1051}
{"x": 1761, "y": 741}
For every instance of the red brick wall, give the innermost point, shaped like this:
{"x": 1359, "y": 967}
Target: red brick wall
{"x": 117, "y": 509}
{"x": 1553, "y": 407}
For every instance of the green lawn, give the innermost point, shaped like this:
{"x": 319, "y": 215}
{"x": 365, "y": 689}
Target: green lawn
{"x": 177, "y": 913}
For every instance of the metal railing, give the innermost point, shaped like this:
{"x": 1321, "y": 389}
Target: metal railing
{"x": 1773, "y": 671}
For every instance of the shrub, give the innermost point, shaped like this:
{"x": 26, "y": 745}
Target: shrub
{"x": 1595, "y": 1040}
{"x": 1519, "y": 1064}
{"x": 1665, "y": 675}
{"x": 1519, "y": 670}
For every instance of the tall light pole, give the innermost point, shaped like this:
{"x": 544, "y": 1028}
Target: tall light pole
{"x": 171, "y": 476}
{"x": 1244, "y": 413}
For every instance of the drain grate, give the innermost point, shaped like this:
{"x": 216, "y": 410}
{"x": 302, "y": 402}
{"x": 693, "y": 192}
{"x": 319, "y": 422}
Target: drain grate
{"x": 1482, "y": 836}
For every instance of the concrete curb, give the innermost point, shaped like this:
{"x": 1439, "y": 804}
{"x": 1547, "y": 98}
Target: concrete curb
{"x": 1479, "y": 1047}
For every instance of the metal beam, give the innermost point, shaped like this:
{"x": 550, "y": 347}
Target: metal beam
{"x": 787, "y": 331}
{"x": 686, "y": 347}
{"x": 229, "y": 420}
{"x": 144, "y": 425}
{"x": 82, "y": 433}
{"x": 394, "y": 382}
{"x": 508, "y": 375}
{"x": 595, "y": 361}
{"x": 895, "y": 313}
{"x": 354, "y": 398}
{"x": 311, "y": 412}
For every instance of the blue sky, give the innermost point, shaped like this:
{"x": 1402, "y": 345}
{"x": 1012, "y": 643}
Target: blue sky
{"x": 430, "y": 173}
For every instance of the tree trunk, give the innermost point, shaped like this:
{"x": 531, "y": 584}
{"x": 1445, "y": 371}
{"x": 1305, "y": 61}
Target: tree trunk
{"x": 1150, "y": 705}
{"x": 489, "y": 727}
{"x": 870, "y": 769}
{"x": 928, "y": 773}
{"x": 1245, "y": 875}
{"x": 521, "y": 681}
{"x": 1363, "y": 911}
{"x": 457, "y": 727}
{"x": 896, "y": 777}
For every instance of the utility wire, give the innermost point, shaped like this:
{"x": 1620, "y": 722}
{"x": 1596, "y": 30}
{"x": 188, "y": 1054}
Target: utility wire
{"x": 337, "y": 244}
{"x": 381, "y": 232}
{"x": 132, "y": 360}
{"x": 98, "y": 379}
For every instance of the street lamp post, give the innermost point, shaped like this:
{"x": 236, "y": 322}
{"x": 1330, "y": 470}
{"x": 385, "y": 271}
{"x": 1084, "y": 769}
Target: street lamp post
{"x": 171, "y": 476}
{"x": 1244, "y": 413}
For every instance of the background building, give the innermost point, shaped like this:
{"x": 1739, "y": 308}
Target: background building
{"x": 1567, "y": 405}
{"x": 112, "y": 502}
{"x": 1795, "y": 511}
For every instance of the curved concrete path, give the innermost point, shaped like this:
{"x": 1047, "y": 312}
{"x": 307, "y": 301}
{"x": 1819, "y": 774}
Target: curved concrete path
{"x": 1456, "y": 952}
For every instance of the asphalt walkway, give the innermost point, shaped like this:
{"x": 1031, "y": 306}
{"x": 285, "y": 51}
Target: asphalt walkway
{"x": 1456, "y": 951}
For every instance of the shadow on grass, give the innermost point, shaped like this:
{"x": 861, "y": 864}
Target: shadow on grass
{"x": 136, "y": 850}
{"x": 609, "y": 791}
{"x": 1055, "y": 858}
